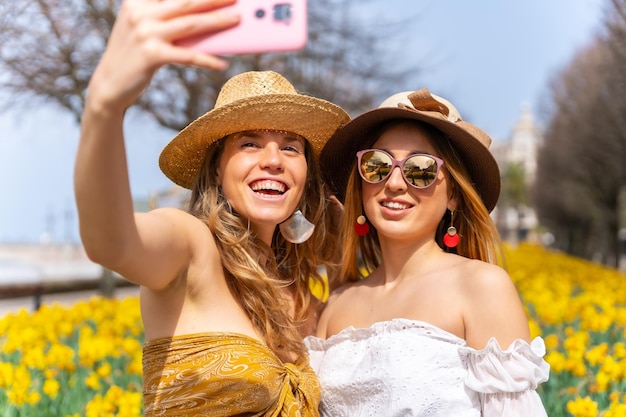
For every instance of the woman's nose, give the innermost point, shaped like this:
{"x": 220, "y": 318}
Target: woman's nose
{"x": 271, "y": 156}
{"x": 396, "y": 180}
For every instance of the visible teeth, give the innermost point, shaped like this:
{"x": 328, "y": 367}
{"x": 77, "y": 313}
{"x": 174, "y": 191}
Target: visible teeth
{"x": 395, "y": 205}
{"x": 268, "y": 186}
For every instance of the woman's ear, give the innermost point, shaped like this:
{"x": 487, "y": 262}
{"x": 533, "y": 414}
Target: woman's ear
{"x": 453, "y": 200}
{"x": 218, "y": 175}
{"x": 335, "y": 211}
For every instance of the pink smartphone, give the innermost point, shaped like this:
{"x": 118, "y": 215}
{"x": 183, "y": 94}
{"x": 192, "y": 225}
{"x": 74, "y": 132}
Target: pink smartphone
{"x": 266, "y": 26}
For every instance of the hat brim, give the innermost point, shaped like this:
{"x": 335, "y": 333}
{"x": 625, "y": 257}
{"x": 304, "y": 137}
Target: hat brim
{"x": 313, "y": 118}
{"x": 338, "y": 157}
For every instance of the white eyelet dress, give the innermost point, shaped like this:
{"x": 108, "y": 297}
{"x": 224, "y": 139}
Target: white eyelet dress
{"x": 403, "y": 368}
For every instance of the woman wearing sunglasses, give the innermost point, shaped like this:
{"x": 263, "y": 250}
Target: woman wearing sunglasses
{"x": 424, "y": 321}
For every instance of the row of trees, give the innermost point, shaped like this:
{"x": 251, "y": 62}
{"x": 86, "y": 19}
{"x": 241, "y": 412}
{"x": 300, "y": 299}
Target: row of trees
{"x": 580, "y": 187}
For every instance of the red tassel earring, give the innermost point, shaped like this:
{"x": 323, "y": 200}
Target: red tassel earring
{"x": 451, "y": 238}
{"x": 361, "y": 227}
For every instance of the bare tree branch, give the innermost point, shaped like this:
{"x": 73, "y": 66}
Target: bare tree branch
{"x": 51, "y": 47}
{"x": 585, "y": 150}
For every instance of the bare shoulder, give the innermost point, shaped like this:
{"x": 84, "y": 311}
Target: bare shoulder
{"x": 492, "y": 305}
{"x": 342, "y": 297}
{"x": 171, "y": 241}
{"x": 480, "y": 276}
{"x": 174, "y": 215}
{"x": 338, "y": 300}
{"x": 486, "y": 284}
{"x": 179, "y": 224}
{"x": 338, "y": 297}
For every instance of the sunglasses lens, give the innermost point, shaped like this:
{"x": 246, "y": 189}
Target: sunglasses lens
{"x": 420, "y": 170}
{"x": 375, "y": 166}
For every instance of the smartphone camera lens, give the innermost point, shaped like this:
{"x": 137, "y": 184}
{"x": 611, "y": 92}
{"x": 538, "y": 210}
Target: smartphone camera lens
{"x": 282, "y": 11}
{"x": 260, "y": 13}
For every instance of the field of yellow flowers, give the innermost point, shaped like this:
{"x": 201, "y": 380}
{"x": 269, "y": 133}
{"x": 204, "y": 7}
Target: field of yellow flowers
{"x": 86, "y": 360}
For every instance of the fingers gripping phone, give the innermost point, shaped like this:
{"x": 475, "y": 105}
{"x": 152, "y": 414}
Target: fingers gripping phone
{"x": 266, "y": 26}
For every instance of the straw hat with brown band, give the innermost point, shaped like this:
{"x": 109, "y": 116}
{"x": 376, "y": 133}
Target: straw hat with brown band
{"x": 470, "y": 143}
{"x": 250, "y": 101}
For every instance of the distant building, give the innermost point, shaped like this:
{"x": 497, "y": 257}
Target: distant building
{"x": 39, "y": 271}
{"x": 42, "y": 266}
{"x": 172, "y": 196}
{"x": 518, "y": 223}
{"x": 522, "y": 145}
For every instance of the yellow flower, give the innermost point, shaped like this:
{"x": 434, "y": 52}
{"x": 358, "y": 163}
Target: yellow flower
{"x": 6, "y": 374}
{"x": 51, "y": 387}
{"x": 104, "y": 370}
{"x": 92, "y": 381}
{"x": 603, "y": 380}
{"x": 597, "y": 354}
{"x": 130, "y": 404}
{"x": 99, "y": 407}
{"x": 34, "y": 358}
{"x": 116, "y": 402}
{"x": 583, "y": 407}
{"x": 612, "y": 368}
{"x": 614, "y": 396}
{"x": 556, "y": 360}
{"x": 136, "y": 365}
{"x": 576, "y": 343}
{"x": 576, "y": 366}
{"x": 114, "y": 393}
{"x": 619, "y": 350}
{"x": 131, "y": 346}
{"x": 319, "y": 288}
{"x": 551, "y": 341}
{"x": 535, "y": 329}
{"x": 61, "y": 357}
{"x": 33, "y": 398}
{"x": 18, "y": 393}
{"x": 616, "y": 410}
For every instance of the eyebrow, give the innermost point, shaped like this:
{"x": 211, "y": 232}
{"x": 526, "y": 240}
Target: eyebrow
{"x": 288, "y": 136}
{"x": 298, "y": 139}
{"x": 412, "y": 152}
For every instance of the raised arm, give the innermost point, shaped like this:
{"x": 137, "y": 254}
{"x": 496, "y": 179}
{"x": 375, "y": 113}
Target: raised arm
{"x": 151, "y": 247}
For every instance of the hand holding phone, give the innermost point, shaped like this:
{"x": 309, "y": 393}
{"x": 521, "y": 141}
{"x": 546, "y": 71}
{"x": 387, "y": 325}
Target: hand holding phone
{"x": 266, "y": 26}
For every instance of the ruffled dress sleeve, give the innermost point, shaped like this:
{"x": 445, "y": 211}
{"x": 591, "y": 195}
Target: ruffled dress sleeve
{"x": 506, "y": 380}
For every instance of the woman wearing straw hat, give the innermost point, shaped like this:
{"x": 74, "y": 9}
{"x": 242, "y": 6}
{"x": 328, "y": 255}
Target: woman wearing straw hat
{"x": 224, "y": 285}
{"x": 424, "y": 323}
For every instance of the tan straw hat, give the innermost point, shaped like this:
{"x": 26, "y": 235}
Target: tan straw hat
{"x": 469, "y": 142}
{"x": 249, "y": 101}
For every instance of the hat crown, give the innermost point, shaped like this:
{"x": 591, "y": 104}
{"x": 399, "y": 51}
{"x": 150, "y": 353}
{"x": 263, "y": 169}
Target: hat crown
{"x": 253, "y": 84}
{"x": 423, "y": 101}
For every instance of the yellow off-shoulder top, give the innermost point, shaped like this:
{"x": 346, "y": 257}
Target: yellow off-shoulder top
{"x": 224, "y": 374}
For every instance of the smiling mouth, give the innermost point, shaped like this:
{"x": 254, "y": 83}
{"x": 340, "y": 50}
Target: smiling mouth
{"x": 393, "y": 205}
{"x": 268, "y": 187}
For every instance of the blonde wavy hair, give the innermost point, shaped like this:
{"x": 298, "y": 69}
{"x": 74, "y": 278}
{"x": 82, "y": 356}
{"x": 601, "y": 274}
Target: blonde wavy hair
{"x": 258, "y": 274}
{"x": 479, "y": 236}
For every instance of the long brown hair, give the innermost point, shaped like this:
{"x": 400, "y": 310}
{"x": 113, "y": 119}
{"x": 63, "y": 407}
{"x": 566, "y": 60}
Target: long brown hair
{"x": 479, "y": 236}
{"x": 258, "y": 274}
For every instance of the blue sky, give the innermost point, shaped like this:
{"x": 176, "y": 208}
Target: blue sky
{"x": 486, "y": 56}
{"x": 489, "y": 56}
